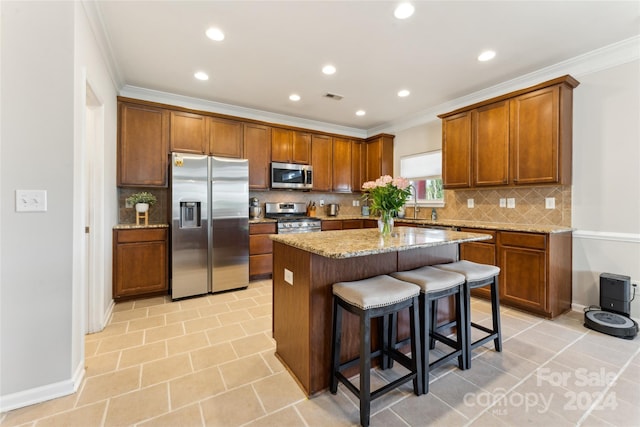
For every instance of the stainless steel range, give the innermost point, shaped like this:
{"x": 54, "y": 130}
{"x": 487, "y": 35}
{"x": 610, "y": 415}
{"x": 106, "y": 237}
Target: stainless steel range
{"x": 292, "y": 218}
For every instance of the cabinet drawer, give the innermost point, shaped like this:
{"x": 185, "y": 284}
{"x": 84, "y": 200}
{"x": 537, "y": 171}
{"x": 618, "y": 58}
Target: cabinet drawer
{"x": 144, "y": 235}
{"x": 264, "y": 228}
{"x": 260, "y": 264}
{"x": 349, "y": 224}
{"x": 476, "y": 230}
{"x": 331, "y": 225}
{"x": 260, "y": 244}
{"x": 523, "y": 240}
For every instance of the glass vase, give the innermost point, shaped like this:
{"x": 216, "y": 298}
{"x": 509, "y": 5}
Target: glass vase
{"x": 385, "y": 223}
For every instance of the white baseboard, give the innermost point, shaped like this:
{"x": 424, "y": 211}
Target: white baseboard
{"x": 39, "y": 394}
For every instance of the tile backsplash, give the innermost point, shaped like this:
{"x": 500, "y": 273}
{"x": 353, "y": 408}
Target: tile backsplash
{"x": 529, "y": 204}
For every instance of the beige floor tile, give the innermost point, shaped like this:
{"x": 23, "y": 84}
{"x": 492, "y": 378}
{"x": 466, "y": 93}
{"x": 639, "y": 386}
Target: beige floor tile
{"x": 101, "y": 364}
{"x": 163, "y": 333}
{"x": 618, "y": 412}
{"x": 252, "y": 344}
{"x": 387, "y": 418}
{"x": 108, "y": 385}
{"x": 527, "y": 350}
{"x": 182, "y": 315}
{"x": 272, "y": 361}
{"x": 146, "y": 353}
{"x": 187, "y": 343}
{"x": 278, "y": 391}
{"x": 233, "y": 408}
{"x": 558, "y": 330}
{"x": 247, "y": 293}
{"x": 287, "y": 417}
{"x": 593, "y": 421}
{"x": 201, "y": 324}
{"x": 195, "y": 387}
{"x": 222, "y": 297}
{"x": 605, "y": 353}
{"x": 574, "y": 358}
{"x": 538, "y": 339}
{"x": 90, "y": 348}
{"x": 329, "y": 410}
{"x": 234, "y": 317}
{"x": 459, "y": 393}
{"x": 487, "y": 376}
{"x": 260, "y": 311}
{"x": 90, "y": 415}
{"x": 165, "y": 369}
{"x": 214, "y": 310}
{"x": 264, "y": 299}
{"x": 30, "y": 413}
{"x": 487, "y": 419}
{"x": 632, "y": 373}
{"x": 226, "y": 333}
{"x": 123, "y": 306}
{"x": 148, "y": 302}
{"x": 120, "y": 342}
{"x": 184, "y": 417}
{"x": 254, "y": 326}
{"x": 137, "y": 406}
{"x": 197, "y": 302}
{"x": 626, "y": 390}
{"x": 157, "y": 310}
{"x": 212, "y": 356}
{"x": 243, "y": 303}
{"x": 125, "y": 316}
{"x": 109, "y": 330}
{"x": 420, "y": 410}
{"x": 146, "y": 323}
{"x": 244, "y": 371}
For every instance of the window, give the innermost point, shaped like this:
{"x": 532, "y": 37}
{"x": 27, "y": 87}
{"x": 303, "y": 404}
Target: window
{"x": 425, "y": 173}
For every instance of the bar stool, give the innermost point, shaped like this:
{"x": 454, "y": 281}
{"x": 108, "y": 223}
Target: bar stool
{"x": 477, "y": 276}
{"x": 435, "y": 284}
{"x": 376, "y": 297}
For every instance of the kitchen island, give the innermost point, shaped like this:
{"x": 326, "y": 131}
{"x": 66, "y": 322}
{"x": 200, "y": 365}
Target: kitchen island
{"x": 305, "y": 266}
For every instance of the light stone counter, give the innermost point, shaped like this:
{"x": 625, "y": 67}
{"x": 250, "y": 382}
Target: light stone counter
{"x": 368, "y": 241}
{"x": 137, "y": 227}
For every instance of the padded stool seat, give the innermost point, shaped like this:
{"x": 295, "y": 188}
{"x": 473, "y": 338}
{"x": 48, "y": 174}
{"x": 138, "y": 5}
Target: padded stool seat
{"x": 376, "y": 297}
{"x": 435, "y": 284}
{"x": 477, "y": 276}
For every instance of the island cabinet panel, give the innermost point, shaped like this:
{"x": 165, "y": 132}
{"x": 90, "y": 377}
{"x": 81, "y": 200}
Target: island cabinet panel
{"x": 341, "y": 165}
{"x": 483, "y": 252}
{"x": 143, "y": 145}
{"x": 490, "y": 151}
{"x": 188, "y": 132}
{"x": 257, "y": 148}
{"x": 260, "y": 250}
{"x": 225, "y": 137}
{"x": 140, "y": 266}
{"x": 322, "y": 162}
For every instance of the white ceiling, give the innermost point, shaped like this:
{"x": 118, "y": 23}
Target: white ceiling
{"x": 275, "y": 48}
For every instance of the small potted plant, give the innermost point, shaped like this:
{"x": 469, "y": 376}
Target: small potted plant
{"x": 142, "y": 201}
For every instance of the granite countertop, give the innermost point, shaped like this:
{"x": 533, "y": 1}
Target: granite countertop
{"x": 368, "y": 241}
{"x": 261, "y": 220}
{"x": 136, "y": 227}
{"x": 532, "y": 228}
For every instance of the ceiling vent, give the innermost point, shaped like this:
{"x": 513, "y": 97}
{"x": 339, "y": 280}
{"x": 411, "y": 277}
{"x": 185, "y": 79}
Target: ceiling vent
{"x": 333, "y": 96}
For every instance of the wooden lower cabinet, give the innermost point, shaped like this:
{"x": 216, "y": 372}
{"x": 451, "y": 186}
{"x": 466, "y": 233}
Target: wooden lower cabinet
{"x": 331, "y": 224}
{"x": 260, "y": 250}
{"x": 483, "y": 252}
{"x": 140, "y": 266}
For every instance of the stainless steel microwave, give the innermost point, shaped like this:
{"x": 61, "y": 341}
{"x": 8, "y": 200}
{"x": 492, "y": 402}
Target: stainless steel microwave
{"x": 291, "y": 176}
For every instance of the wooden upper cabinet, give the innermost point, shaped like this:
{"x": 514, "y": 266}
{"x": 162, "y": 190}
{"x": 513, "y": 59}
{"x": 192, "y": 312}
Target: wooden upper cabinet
{"x": 456, "y": 151}
{"x": 225, "y": 137}
{"x": 321, "y": 161}
{"x": 341, "y": 174}
{"x": 490, "y": 151}
{"x": 379, "y": 157}
{"x": 143, "y": 145}
{"x": 257, "y": 148}
{"x": 288, "y": 146}
{"x": 357, "y": 165}
{"x": 188, "y": 132}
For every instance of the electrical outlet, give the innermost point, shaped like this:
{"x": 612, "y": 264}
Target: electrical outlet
{"x": 549, "y": 202}
{"x": 470, "y": 203}
{"x": 321, "y": 203}
{"x": 503, "y": 203}
{"x": 31, "y": 200}
{"x": 288, "y": 276}
{"x": 511, "y": 203}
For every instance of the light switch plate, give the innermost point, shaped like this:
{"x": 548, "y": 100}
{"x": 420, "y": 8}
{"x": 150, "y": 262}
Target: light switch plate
{"x": 31, "y": 200}
{"x": 511, "y": 203}
{"x": 549, "y": 202}
{"x": 288, "y": 276}
{"x": 503, "y": 203}
{"x": 470, "y": 203}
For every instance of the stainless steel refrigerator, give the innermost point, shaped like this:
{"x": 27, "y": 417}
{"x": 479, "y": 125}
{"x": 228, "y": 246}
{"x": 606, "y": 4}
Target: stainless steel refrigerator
{"x": 209, "y": 224}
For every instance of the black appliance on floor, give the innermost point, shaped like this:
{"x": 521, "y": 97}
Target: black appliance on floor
{"x": 613, "y": 315}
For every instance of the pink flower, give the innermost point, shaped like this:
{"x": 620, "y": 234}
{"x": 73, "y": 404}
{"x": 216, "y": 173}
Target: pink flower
{"x": 400, "y": 182}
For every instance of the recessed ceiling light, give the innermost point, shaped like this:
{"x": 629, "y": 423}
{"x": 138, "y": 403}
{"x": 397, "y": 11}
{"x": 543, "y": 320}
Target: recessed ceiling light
{"x": 487, "y": 55}
{"x": 201, "y": 75}
{"x": 215, "y": 34}
{"x": 403, "y": 10}
{"x": 360, "y": 113}
{"x": 403, "y": 93}
{"x": 294, "y": 97}
{"x": 329, "y": 69}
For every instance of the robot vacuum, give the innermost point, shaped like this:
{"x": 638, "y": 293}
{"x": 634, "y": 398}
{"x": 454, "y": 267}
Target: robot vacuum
{"x": 613, "y": 315}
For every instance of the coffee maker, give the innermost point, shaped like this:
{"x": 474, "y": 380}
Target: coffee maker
{"x": 254, "y": 208}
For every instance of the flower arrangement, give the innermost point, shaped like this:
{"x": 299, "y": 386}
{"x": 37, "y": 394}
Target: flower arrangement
{"x": 386, "y": 196}
{"x": 142, "y": 197}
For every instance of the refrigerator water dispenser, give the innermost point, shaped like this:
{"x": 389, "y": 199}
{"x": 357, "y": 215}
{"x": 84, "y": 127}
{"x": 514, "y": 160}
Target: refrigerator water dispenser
{"x": 190, "y": 214}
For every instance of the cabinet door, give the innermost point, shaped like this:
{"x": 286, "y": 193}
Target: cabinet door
{"x": 331, "y": 225}
{"x": 379, "y": 157}
{"x": 341, "y": 176}
{"x": 456, "y": 151}
{"x": 483, "y": 253}
{"x": 535, "y": 137}
{"x": 351, "y": 224}
{"x": 188, "y": 132}
{"x": 357, "y": 165}
{"x": 321, "y": 162}
{"x": 301, "y": 148}
{"x": 143, "y": 145}
{"x": 523, "y": 277}
{"x": 225, "y": 137}
{"x": 257, "y": 148}
{"x": 281, "y": 145}
{"x": 491, "y": 145}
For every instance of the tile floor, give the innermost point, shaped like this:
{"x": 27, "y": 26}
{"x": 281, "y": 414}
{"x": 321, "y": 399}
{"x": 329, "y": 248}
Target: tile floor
{"x": 210, "y": 361}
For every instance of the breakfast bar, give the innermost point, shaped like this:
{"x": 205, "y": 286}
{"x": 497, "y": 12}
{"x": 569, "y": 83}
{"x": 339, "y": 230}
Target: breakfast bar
{"x": 305, "y": 266}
